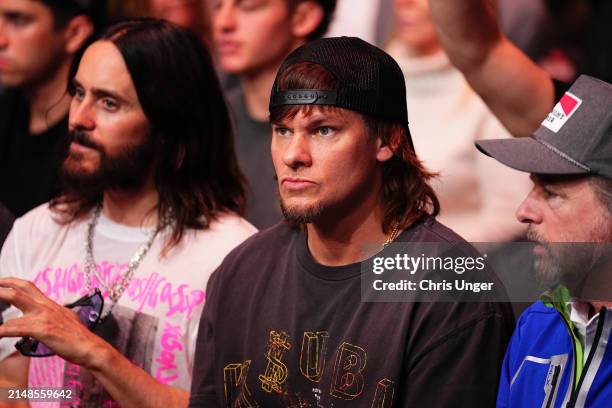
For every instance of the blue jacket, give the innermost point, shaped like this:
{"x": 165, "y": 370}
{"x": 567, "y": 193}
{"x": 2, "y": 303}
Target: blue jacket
{"x": 543, "y": 365}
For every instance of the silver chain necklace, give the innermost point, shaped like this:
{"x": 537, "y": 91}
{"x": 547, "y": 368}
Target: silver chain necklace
{"x": 121, "y": 284}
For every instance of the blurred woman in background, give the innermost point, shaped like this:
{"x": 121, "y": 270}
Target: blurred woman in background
{"x": 446, "y": 116}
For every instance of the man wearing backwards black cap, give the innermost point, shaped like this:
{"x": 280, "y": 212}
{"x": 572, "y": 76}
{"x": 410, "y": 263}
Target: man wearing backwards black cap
{"x": 252, "y": 40}
{"x": 560, "y": 354}
{"x": 38, "y": 41}
{"x": 284, "y": 324}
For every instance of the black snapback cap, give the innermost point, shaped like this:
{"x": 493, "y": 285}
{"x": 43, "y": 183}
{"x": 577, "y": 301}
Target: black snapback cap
{"x": 369, "y": 80}
{"x": 575, "y": 138}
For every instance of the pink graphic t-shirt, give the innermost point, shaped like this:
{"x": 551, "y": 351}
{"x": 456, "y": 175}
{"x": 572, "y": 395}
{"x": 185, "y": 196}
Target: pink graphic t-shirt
{"x": 154, "y": 324}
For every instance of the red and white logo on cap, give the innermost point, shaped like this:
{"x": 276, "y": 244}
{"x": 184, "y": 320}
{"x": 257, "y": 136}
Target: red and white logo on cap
{"x": 563, "y": 110}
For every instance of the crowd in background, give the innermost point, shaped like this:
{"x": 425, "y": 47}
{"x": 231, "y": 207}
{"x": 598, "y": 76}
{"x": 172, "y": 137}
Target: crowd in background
{"x": 566, "y": 38}
{"x": 201, "y": 153}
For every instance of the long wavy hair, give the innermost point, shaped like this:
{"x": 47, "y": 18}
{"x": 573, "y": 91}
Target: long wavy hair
{"x": 406, "y": 193}
{"x": 196, "y": 172}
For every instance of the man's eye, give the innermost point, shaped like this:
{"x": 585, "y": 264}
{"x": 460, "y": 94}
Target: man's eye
{"x": 109, "y": 104}
{"x": 78, "y": 93}
{"x": 249, "y": 5}
{"x": 281, "y": 131}
{"x": 325, "y": 131}
{"x": 549, "y": 193}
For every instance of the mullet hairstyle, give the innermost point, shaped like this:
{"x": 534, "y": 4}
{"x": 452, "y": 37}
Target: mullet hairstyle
{"x": 406, "y": 193}
{"x": 195, "y": 168}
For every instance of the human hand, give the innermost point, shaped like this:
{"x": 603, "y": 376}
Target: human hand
{"x": 54, "y": 325}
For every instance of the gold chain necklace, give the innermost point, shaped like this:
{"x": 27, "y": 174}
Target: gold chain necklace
{"x": 394, "y": 234}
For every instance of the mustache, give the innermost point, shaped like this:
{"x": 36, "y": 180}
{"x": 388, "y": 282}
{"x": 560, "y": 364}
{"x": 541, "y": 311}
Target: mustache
{"x": 81, "y": 137}
{"x": 533, "y": 235}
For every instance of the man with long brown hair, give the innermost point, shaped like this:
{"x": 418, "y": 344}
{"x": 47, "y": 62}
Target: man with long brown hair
{"x": 298, "y": 333}
{"x": 149, "y": 209}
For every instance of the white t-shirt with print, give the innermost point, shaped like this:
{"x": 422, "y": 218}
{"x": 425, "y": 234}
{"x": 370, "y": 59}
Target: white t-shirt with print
{"x": 156, "y": 318}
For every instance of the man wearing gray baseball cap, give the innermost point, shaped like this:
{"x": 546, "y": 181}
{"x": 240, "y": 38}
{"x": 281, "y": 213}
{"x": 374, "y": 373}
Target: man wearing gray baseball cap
{"x": 560, "y": 353}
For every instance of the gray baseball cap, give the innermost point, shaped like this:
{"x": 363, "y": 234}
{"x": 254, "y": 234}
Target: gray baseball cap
{"x": 574, "y": 139}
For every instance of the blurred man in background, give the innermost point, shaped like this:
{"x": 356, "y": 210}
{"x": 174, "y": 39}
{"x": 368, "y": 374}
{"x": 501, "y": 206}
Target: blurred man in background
{"x": 39, "y": 39}
{"x": 191, "y": 14}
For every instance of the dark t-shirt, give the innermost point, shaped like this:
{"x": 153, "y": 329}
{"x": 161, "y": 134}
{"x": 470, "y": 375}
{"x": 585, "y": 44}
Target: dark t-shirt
{"x": 281, "y": 330}
{"x": 28, "y": 163}
{"x": 253, "y": 151}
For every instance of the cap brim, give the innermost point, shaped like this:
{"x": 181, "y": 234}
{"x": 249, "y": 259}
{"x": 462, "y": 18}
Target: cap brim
{"x": 529, "y": 155}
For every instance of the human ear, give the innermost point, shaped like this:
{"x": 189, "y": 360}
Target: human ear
{"x": 77, "y": 31}
{"x": 306, "y": 17}
{"x": 385, "y": 151}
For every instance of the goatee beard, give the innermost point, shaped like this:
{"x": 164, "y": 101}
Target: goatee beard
{"x": 301, "y": 216}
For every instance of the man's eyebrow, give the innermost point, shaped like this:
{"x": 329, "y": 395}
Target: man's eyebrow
{"x": 13, "y": 14}
{"x": 105, "y": 93}
{"x": 101, "y": 93}
{"x": 322, "y": 121}
{"x": 281, "y": 123}
{"x": 319, "y": 121}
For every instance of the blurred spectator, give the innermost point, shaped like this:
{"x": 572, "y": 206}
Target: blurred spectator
{"x": 516, "y": 90}
{"x": 191, "y": 14}
{"x": 565, "y": 37}
{"x": 6, "y": 222}
{"x": 526, "y": 23}
{"x": 598, "y": 40}
{"x": 118, "y": 10}
{"x": 446, "y": 116}
{"x": 252, "y": 39}
{"x": 562, "y": 38}
{"x": 370, "y": 21}
{"x": 38, "y": 42}
{"x": 470, "y": 34}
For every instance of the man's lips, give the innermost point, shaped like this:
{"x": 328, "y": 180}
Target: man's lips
{"x": 227, "y": 47}
{"x": 79, "y": 148}
{"x": 408, "y": 21}
{"x": 540, "y": 249}
{"x": 296, "y": 183}
{"x": 4, "y": 63}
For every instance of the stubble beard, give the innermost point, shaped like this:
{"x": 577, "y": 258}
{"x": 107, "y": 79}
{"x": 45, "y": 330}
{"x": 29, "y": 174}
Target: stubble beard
{"x": 568, "y": 263}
